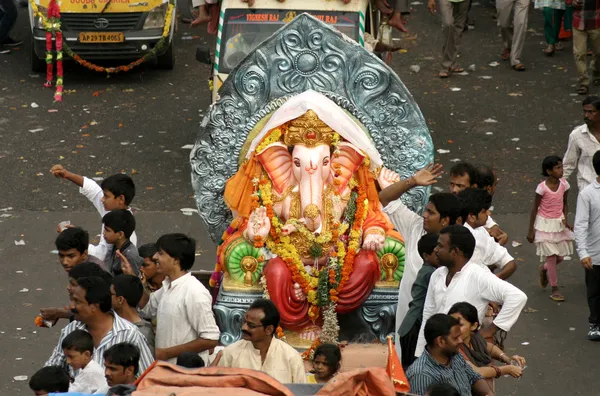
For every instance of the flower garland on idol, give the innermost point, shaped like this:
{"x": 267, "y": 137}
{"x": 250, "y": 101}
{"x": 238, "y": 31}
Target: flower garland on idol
{"x": 321, "y": 287}
{"x": 52, "y": 25}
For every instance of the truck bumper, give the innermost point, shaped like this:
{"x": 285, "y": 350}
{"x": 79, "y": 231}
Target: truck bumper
{"x": 136, "y": 45}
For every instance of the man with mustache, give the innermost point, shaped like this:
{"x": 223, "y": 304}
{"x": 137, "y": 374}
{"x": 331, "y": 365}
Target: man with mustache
{"x": 260, "y": 350}
{"x": 583, "y": 143}
{"x": 80, "y": 270}
{"x": 91, "y": 304}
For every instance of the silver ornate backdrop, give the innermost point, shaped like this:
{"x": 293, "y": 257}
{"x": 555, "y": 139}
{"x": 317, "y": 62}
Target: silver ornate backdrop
{"x": 307, "y": 54}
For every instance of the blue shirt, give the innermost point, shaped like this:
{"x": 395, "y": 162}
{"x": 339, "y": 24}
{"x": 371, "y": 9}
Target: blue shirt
{"x": 426, "y": 371}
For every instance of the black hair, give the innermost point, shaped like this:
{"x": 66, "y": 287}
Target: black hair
{"x": 118, "y": 185}
{"x": 332, "y": 354}
{"x": 474, "y": 201}
{"x": 190, "y": 360}
{"x": 124, "y": 354}
{"x": 448, "y": 205}
{"x": 180, "y": 247}
{"x": 466, "y": 310}
{"x": 462, "y": 168}
{"x": 129, "y": 287}
{"x": 549, "y": 163}
{"x": 442, "y": 390}
{"x": 120, "y": 220}
{"x": 439, "y": 325}
{"x": 89, "y": 269}
{"x": 596, "y": 162}
{"x": 148, "y": 250}
{"x": 52, "y": 379}
{"x": 73, "y": 238}
{"x": 485, "y": 176}
{"x": 270, "y": 310}
{"x": 427, "y": 243}
{"x": 78, "y": 340}
{"x": 460, "y": 238}
{"x": 590, "y": 100}
{"x": 97, "y": 291}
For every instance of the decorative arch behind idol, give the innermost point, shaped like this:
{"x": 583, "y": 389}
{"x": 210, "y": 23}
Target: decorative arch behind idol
{"x": 306, "y": 54}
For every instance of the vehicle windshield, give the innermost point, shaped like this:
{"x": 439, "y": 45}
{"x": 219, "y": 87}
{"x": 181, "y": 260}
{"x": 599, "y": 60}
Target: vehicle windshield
{"x": 244, "y": 30}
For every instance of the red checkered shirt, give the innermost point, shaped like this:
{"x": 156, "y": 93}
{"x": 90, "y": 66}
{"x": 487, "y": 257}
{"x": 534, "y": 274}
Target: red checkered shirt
{"x": 587, "y": 15}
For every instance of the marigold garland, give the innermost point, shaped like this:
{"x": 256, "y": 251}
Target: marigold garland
{"x": 273, "y": 136}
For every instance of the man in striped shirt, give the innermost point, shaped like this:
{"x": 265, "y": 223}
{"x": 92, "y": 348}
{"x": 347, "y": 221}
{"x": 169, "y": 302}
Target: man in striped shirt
{"x": 441, "y": 363}
{"x": 91, "y": 303}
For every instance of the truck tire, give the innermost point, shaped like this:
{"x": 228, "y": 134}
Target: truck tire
{"x": 37, "y": 65}
{"x": 166, "y": 61}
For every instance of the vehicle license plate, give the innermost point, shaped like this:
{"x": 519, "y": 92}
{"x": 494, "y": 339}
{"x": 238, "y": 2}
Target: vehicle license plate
{"x": 100, "y": 37}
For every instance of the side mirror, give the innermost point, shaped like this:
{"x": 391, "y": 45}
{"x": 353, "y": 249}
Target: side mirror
{"x": 203, "y": 55}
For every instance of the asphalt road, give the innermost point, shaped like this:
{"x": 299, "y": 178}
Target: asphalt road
{"x": 139, "y": 122}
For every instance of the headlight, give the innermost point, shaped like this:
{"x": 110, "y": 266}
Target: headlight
{"x": 156, "y": 17}
{"x": 37, "y": 21}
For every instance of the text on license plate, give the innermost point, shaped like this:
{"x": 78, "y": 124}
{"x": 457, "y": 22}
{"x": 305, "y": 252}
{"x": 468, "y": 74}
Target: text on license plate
{"x": 99, "y": 37}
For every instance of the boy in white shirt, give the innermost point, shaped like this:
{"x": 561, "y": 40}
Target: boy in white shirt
{"x": 115, "y": 192}
{"x": 489, "y": 253}
{"x": 182, "y": 306}
{"x": 78, "y": 347}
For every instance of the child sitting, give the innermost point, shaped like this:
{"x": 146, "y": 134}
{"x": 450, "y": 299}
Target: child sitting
{"x": 326, "y": 363}
{"x": 119, "y": 225}
{"x": 409, "y": 329}
{"x": 115, "y": 192}
{"x": 49, "y": 379}
{"x": 78, "y": 348}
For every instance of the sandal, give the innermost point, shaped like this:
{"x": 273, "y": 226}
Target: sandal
{"x": 556, "y": 296}
{"x": 543, "y": 276}
{"x": 549, "y": 50}
{"x": 457, "y": 69}
{"x": 559, "y": 47}
{"x": 583, "y": 90}
{"x": 444, "y": 74}
{"x": 519, "y": 67}
{"x": 505, "y": 55}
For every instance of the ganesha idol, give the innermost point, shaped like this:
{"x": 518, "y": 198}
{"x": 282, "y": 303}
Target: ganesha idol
{"x": 308, "y": 228}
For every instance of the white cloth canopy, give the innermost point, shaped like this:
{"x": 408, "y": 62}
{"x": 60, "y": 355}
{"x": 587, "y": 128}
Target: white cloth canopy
{"x": 330, "y": 113}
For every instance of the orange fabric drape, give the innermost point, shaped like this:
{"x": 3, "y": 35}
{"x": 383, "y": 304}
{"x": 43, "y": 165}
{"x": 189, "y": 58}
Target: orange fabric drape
{"x": 395, "y": 370}
{"x": 375, "y": 217}
{"x": 239, "y": 187}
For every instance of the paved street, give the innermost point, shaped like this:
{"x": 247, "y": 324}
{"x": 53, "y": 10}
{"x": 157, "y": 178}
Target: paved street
{"x": 140, "y": 122}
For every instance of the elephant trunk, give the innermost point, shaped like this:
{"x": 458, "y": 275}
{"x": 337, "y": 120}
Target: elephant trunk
{"x": 311, "y": 198}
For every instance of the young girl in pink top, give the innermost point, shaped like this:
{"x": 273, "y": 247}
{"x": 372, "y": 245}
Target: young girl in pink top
{"x": 548, "y": 227}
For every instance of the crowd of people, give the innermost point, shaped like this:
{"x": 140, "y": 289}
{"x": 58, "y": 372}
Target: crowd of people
{"x": 130, "y": 306}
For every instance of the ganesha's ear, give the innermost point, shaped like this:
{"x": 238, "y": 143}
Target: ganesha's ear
{"x": 346, "y": 160}
{"x": 277, "y": 162}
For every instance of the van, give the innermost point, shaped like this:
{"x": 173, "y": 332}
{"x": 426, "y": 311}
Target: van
{"x": 111, "y": 30}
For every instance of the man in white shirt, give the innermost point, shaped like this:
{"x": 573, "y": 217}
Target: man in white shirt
{"x": 583, "y": 143}
{"x": 442, "y": 210}
{"x": 182, "y": 306}
{"x": 458, "y": 279}
{"x": 260, "y": 350}
{"x": 488, "y": 253}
